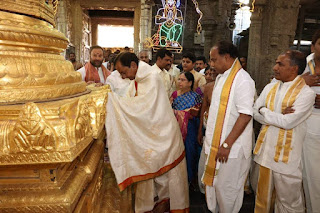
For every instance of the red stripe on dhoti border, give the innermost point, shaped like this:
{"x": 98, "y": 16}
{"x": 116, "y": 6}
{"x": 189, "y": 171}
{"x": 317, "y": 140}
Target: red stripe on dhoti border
{"x": 161, "y": 171}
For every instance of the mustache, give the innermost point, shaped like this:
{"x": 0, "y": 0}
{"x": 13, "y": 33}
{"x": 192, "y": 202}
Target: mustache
{"x": 96, "y": 62}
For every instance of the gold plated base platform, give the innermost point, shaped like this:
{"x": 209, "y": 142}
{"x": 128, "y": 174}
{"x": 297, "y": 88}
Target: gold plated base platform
{"x": 51, "y": 154}
{"x": 51, "y": 128}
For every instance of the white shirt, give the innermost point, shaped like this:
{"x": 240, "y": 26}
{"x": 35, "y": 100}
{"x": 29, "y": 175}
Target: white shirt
{"x": 174, "y": 71}
{"x": 82, "y": 71}
{"x": 118, "y": 84}
{"x": 296, "y": 121}
{"x": 240, "y": 101}
{"x": 202, "y": 71}
{"x": 165, "y": 77}
{"x": 143, "y": 132}
{"x": 315, "y": 89}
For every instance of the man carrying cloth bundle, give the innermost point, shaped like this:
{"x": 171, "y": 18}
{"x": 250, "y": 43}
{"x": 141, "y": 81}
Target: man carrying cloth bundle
{"x": 144, "y": 139}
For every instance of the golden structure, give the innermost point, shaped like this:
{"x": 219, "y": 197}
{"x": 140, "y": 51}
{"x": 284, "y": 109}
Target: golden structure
{"x": 51, "y": 124}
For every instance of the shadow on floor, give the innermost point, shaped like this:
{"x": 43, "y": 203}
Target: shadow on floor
{"x": 198, "y": 203}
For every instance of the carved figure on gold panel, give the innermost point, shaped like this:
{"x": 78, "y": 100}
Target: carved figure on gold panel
{"x": 82, "y": 121}
{"x": 32, "y": 133}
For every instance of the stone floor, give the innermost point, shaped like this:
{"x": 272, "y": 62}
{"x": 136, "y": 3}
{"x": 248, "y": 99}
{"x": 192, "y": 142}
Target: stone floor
{"x": 114, "y": 201}
{"x": 198, "y": 203}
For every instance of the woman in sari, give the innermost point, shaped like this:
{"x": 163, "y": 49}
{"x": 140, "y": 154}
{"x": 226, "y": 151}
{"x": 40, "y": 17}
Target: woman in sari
{"x": 186, "y": 104}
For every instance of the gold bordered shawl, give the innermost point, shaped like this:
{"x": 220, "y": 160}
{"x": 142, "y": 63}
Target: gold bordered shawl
{"x": 288, "y": 101}
{"x": 224, "y": 100}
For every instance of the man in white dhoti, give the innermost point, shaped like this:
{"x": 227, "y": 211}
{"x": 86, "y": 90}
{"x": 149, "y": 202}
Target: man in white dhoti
{"x": 311, "y": 146}
{"x": 163, "y": 63}
{"x": 282, "y": 108}
{"x": 144, "y": 139}
{"x": 228, "y": 141}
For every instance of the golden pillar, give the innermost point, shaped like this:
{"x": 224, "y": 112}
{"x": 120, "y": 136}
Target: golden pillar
{"x": 51, "y": 137}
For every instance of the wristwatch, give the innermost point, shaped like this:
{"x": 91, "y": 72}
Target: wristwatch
{"x": 226, "y": 146}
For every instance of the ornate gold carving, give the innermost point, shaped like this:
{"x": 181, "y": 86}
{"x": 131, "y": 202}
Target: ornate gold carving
{"x": 32, "y": 133}
{"x": 31, "y": 68}
{"x": 51, "y": 132}
{"x": 97, "y": 108}
{"x": 38, "y": 8}
{"x": 48, "y": 118}
{"x": 63, "y": 199}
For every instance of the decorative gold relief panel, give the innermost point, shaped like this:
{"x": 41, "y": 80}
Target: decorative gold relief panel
{"x": 51, "y": 132}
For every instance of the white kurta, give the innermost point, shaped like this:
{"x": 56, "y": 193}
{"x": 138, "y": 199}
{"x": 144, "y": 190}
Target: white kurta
{"x": 311, "y": 155}
{"x": 144, "y": 138}
{"x": 117, "y": 84}
{"x": 276, "y": 120}
{"x": 82, "y": 71}
{"x": 166, "y": 78}
{"x": 286, "y": 178}
{"x": 226, "y": 194}
{"x": 202, "y": 72}
{"x": 240, "y": 101}
{"x": 174, "y": 71}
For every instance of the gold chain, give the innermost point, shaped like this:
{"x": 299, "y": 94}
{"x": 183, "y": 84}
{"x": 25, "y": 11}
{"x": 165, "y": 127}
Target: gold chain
{"x": 199, "y": 26}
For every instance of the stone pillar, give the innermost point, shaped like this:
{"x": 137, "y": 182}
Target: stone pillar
{"x": 145, "y": 22}
{"x": 61, "y": 17}
{"x": 272, "y": 30}
{"x": 76, "y": 30}
{"x": 94, "y": 31}
{"x": 216, "y": 15}
{"x": 136, "y": 25}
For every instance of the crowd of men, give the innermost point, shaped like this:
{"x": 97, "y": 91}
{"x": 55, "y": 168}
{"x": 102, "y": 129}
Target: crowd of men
{"x": 147, "y": 150}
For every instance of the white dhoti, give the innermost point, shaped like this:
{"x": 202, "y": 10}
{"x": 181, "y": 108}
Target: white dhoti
{"x": 228, "y": 192}
{"x": 286, "y": 189}
{"x": 201, "y": 165}
{"x": 310, "y": 160}
{"x": 145, "y": 142}
{"x": 172, "y": 184}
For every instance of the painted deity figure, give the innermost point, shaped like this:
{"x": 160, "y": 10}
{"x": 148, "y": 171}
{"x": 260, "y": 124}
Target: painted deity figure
{"x": 170, "y": 20}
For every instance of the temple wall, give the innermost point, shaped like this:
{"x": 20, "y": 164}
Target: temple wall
{"x": 272, "y": 31}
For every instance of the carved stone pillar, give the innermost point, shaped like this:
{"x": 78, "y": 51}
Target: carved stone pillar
{"x": 136, "y": 25}
{"x": 77, "y": 26}
{"x": 61, "y": 17}
{"x": 216, "y": 15}
{"x": 145, "y": 22}
{"x": 272, "y": 30}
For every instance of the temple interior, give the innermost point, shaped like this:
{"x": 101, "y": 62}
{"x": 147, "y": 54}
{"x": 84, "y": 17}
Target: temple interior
{"x": 52, "y": 137}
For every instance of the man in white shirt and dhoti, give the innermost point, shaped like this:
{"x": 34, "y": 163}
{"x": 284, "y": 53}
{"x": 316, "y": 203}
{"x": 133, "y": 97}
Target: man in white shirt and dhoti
{"x": 311, "y": 146}
{"x": 228, "y": 141}
{"x": 282, "y": 108}
{"x": 163, "y": 63}
{"x": 144, "y": 139}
